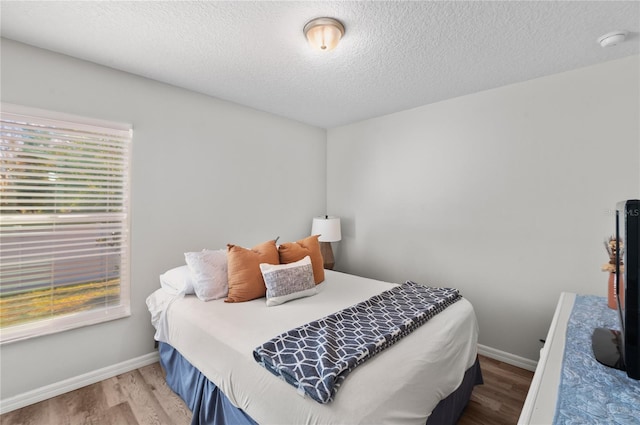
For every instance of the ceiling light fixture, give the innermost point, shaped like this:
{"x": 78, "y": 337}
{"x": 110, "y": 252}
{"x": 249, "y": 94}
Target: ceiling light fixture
{"x": 612, "y": 38}
{"x": 324, "y": 33}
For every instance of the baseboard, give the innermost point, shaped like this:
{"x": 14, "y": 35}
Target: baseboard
{"x": 508, "y": 358}
{"x": 40, "y": 394}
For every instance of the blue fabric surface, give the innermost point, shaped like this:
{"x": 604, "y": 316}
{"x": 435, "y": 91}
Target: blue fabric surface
{"x": 207, "y": 403}
{"x": 589, "y": 392}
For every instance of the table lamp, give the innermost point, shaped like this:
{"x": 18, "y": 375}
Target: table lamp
{"x": 329, "y": 230}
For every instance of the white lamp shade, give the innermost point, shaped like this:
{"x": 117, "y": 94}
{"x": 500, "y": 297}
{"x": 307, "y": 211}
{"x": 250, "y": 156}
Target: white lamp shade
{"x": 328, "y": 228}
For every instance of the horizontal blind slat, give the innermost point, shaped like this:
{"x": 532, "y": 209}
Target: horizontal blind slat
{"x": 36, "y": 122}
{"x": 21, "y": 233}
{"x": 42, "y": 272}
{"x": 86, "y": 179}
{"x": 19, "y": 150}
{"x": 14, "y": 135}
{"x": 27, "y": 261}
{"x": 37, "y": 145}
{"x": 45, "y": 187}
{"x": 61, "y": 208}
{"x": 11, "y": 167}
{"x": 81, "y": 197}
{"x": 77, "y": 239}
{"x": 30, "y": 134}
{"x": 63, "y": 221}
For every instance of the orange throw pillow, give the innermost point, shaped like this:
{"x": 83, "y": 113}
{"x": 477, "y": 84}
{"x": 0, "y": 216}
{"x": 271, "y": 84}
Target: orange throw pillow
{"x": 295, "y": 251}
{"x": 245, "y": 278}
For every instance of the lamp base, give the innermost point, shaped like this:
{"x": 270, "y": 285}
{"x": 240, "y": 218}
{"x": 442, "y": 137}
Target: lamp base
{"x": 327, "y": 255}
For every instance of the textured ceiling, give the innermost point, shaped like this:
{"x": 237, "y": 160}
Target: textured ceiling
{"x": 395, "y": 55}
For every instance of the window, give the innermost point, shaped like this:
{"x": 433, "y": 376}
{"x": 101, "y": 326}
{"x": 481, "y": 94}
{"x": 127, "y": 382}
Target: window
{"x": 64, "y": 222}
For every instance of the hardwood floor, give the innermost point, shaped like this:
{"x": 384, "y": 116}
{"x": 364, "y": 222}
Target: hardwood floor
{"x": 141, "y": 397}
{"x": 499, "y": 401}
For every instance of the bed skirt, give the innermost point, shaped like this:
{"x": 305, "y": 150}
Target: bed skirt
{"x": 211, "y": 407}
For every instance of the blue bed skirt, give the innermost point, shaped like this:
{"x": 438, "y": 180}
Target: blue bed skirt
{"x": 207, "y": 403}
{"x": 211, "y": 407}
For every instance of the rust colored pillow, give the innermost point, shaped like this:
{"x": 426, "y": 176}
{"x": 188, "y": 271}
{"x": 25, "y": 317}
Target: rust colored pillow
{"x": 245, "y": 278}
{"x": 295, "y": 251}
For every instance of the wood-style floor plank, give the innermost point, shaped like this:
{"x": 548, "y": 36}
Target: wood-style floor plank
{"x": 142, "y": 397}
{"x": 500, "y": 399}
{"x": 175, "y": 408}
{"x": 113, "y": 392}
{"x": 119, "y": 414}
{"x": 35, "y": 414}
{"x": 145, "y": 406}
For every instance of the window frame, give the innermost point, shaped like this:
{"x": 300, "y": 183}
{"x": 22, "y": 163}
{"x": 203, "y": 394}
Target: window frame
{"x": 47, "y": 326}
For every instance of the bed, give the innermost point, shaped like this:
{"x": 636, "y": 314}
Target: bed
{"x": 206, "y": 348}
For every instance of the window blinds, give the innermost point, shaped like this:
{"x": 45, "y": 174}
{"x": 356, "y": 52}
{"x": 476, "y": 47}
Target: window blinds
{"x": 64, "y": 214}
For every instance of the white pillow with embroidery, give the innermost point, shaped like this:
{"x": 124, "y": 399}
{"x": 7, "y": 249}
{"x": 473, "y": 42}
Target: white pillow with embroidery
{"x": 286, "y": 282}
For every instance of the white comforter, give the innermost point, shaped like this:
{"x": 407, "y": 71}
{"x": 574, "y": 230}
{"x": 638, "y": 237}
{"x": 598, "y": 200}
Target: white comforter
{"x": 401, "y": 385}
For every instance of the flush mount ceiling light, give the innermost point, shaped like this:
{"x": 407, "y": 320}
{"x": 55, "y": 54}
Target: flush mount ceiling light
{"x": 612, "y": 38}
{"x": 324, "y": 33}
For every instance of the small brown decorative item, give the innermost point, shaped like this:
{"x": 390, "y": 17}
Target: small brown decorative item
{"x": 612, "y": 247}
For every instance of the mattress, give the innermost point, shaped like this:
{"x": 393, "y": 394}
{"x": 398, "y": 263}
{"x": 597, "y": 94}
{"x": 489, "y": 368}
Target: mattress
{"x": 401, "y": 385}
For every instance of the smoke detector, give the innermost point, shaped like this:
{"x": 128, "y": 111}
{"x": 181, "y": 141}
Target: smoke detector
{"x": 612, "y": 38}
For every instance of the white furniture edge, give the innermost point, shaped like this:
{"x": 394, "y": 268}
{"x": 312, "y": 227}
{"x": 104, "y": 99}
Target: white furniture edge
{"x": 58, "y": 388}
{"x": 541, "y": 398}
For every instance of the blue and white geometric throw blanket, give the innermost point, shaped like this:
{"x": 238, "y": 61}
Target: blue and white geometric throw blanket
{"x": 317, "y": 357}
{"x": 591, "y": 393}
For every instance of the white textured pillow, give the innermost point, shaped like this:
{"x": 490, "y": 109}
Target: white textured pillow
{"x": 209, "y": 273}
{"x": 286, "y": 282}
{"x": 177, "y": 281}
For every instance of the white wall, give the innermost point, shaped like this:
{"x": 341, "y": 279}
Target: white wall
{"x": 205, "y": 173}
{"x": 505, "y": 194}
